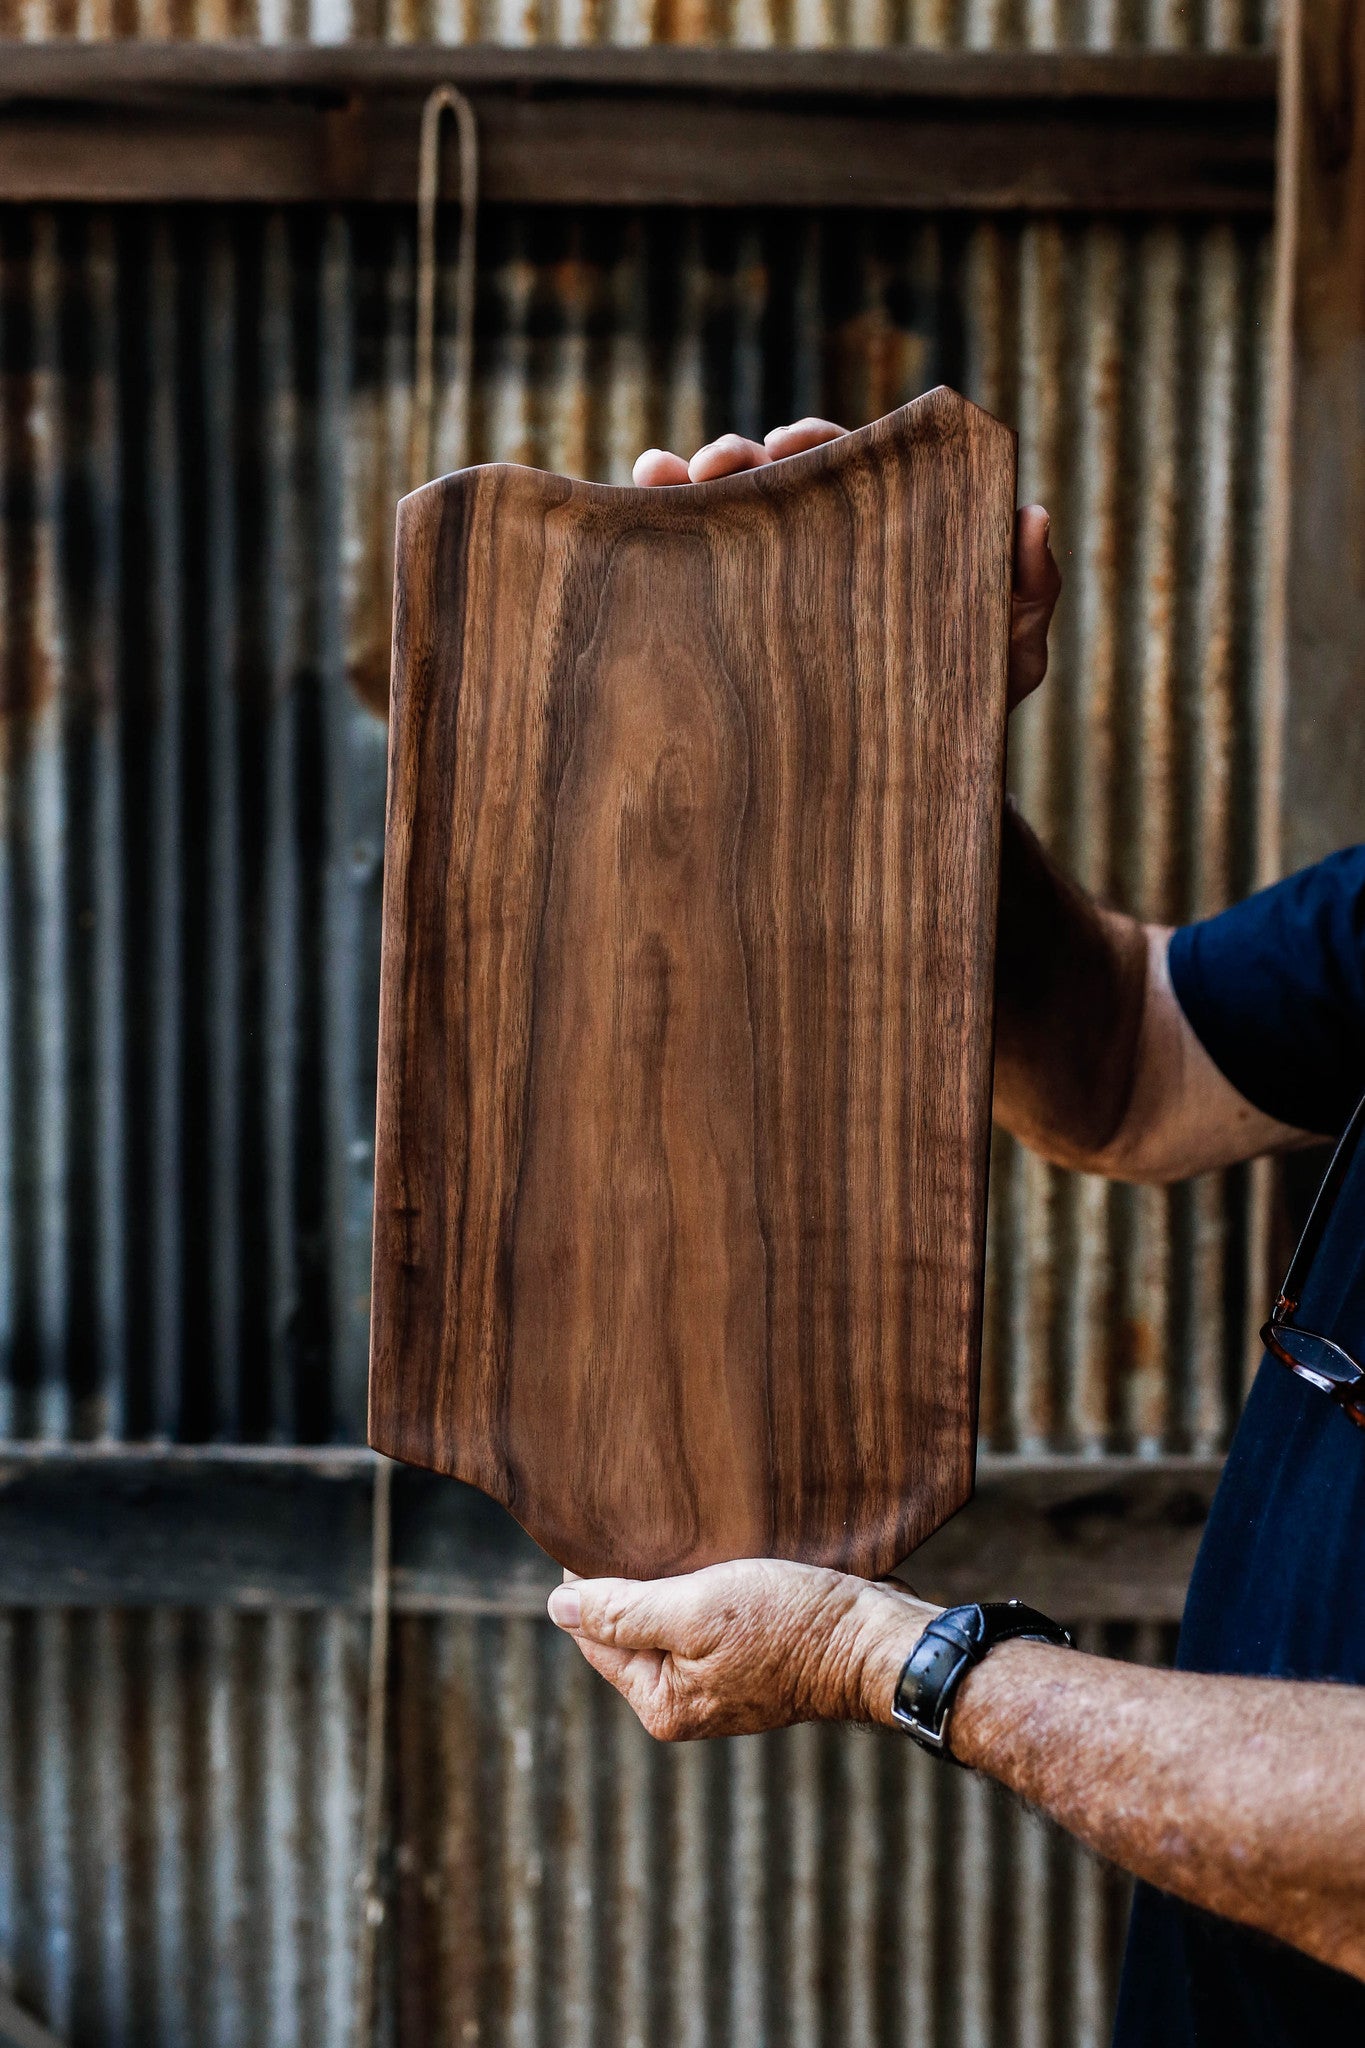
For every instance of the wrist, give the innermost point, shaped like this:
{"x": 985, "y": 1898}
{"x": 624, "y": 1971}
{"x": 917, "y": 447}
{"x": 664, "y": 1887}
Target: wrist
{"x": 952, "y": 1646}
{"x": 886, "y": 1622}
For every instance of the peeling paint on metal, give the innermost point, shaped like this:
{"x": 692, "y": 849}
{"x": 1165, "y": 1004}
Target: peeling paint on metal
{"x": 179, "y": 1835}
{"x": 203, "y": 426}
{"x": 213, "y": 419}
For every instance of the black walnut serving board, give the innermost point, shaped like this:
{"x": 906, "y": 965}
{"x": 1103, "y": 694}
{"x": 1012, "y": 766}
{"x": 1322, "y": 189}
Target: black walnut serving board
{"x": 686, "y": 1003}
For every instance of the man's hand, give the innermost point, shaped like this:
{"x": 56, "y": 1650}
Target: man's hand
{"x": 742, "y": 1647}
{"x": 1239, "y": 1794}
{"x": 1037, "y": 583}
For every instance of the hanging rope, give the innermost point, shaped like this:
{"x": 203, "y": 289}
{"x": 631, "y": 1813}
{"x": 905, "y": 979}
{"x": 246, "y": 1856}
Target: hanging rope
{"x": 446, "y": 99}
{"x": 421, "y": 458}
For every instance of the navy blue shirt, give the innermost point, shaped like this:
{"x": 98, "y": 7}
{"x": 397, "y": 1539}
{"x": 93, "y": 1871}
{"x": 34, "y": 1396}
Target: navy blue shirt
{"x": 1275, "y": 989}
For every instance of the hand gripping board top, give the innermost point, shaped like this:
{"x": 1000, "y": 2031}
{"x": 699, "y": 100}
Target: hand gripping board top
{"x": 686, "y": 1006}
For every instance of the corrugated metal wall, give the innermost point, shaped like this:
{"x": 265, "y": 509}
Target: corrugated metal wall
{"x": 203, "y": 427}
{"x": 179, "y": 1801}
{"x": 867, "y": 24}
{"x": 203, "y": 424}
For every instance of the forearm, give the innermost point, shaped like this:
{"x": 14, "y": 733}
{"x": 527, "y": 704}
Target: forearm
{"x": 1096, "y": 1066}
{"x": 1239, "y": 1795}
{"x": 1071, "y": 981}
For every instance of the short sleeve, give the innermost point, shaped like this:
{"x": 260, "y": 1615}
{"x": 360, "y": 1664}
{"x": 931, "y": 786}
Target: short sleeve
{"x": 1274, "y": 989}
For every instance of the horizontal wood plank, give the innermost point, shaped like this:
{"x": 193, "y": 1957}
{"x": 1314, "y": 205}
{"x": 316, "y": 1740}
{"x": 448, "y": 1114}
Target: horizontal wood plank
{"x": 72, "y": 70}
{"x": 1109, "y": 1538}
{"x": 1148, "y": 133}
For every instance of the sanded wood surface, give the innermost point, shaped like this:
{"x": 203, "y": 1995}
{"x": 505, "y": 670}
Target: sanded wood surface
{"x": 685, "y": 1035}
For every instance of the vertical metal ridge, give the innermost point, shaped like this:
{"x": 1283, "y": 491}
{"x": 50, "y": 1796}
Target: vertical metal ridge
{"x": 854, "y": 1925}
{"x": 44, "y": 798}
{"x": 1035, "y": 1193}
{"x": 1095, "y": 569}
{"x": 518, "y": 1837}
{"x": 631, "y": 1959}
{"x": 338, "y": 1724}
{"x": 219, "y": 652}
{"x": 1150, "y": 874}
{"x": 797, "y": 1757}
{"x": 965, "y": 1952}
{"x": 162, "y": 1296}
{"x": 690, "y": 1986}
{"x": 284, "y": 1763}
{"x": 57, "y": 1839}
{"x": 169, "y": 1912}
{"x": 13, "y": 662}
{"x": 283, "y": 584}
{"x": 573, "y": 1900}
{"x": 233, "y": 1705}
{"x": 1213, "y": 720}
{"x": 359, "y": 472}
{"x": 917, "y": 1817}
{"x": 97, "y": 603}
{"x": 750, "y": 1862}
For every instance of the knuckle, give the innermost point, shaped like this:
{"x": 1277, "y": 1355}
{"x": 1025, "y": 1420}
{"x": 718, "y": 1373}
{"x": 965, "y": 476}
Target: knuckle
{"x": 610, "y": 1619}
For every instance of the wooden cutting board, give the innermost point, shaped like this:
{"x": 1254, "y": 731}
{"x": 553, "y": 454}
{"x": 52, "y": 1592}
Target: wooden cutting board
{"x": 686, "y": 1005}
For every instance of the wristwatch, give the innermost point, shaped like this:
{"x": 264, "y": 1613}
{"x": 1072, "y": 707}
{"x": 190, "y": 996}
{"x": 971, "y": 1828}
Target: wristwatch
{"x": 952, "y": 1643}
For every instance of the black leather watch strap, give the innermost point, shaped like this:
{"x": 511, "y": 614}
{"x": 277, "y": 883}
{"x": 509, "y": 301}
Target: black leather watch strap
{"x": 952, "y": 1643}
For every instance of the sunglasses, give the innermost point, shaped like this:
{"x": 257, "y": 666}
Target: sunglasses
{"x": 1320, "y": 1361}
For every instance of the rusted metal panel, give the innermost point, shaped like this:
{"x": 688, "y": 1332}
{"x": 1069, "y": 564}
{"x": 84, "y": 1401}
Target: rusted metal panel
{"x": 178, "y": 1819}
{"x": 204, "y": 431}
{"x": 179, "y": 1816}
{"x": 575, "y": 1883}
{"x": 1140, "y": 402}
{"x": 757, "y": 24}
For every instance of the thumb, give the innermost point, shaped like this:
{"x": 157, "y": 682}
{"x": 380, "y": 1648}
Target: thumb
{"x": 631, "y": 1614}
{"x": 1037, "y": 579}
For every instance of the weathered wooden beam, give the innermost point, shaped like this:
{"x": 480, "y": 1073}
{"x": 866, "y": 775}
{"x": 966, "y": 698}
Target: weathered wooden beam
{"x": 1084, "y": 132}
{"x": 1314, "y": 765}
{"x": 1113, "y": 1539}
{"x": 92, "y": 1527}
{"x": 133, "y": 69}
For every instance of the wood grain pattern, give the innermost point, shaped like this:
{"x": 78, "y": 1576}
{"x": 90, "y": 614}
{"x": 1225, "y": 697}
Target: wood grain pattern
{"x": 685, "y": 1029}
